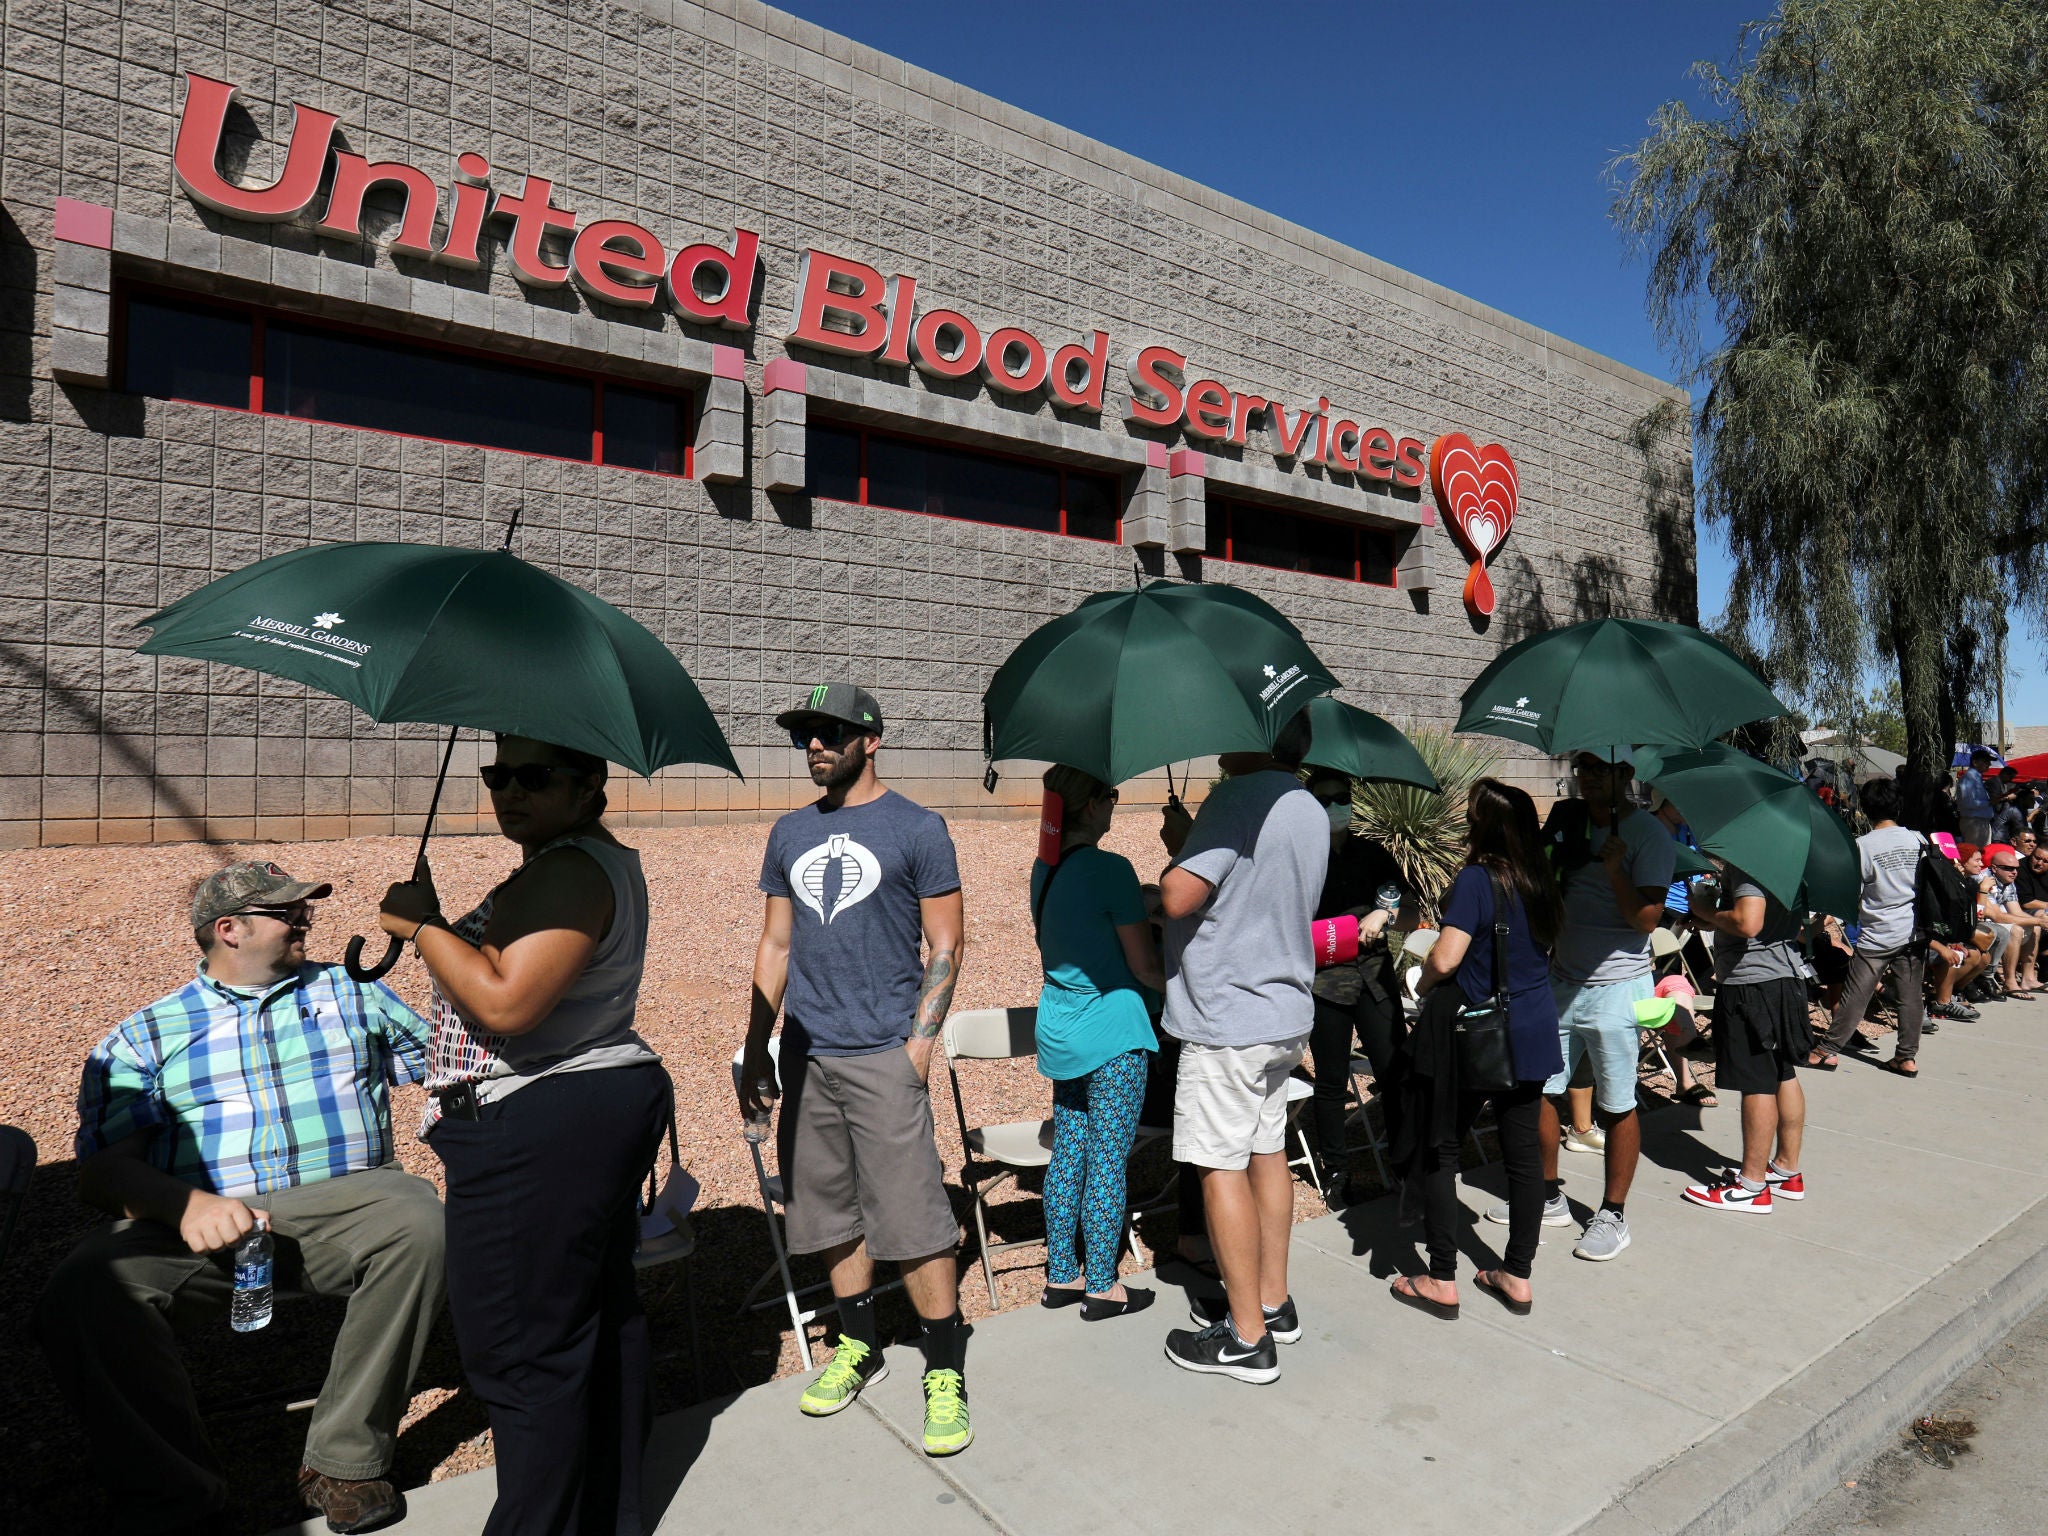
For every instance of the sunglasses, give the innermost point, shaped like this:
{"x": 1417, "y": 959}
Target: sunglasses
{"x": 829, "y": 734}
{"x": 531, "y": 777}
{"x": 2007, "y": 869}
{"x": 298, "y": 915}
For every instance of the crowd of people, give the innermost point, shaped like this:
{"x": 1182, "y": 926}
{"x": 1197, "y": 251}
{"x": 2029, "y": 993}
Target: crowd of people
{"x": 256, "y": 1097}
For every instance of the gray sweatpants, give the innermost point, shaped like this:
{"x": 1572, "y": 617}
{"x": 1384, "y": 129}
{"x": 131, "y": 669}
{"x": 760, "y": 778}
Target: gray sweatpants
{"x": 1866, "y": 971}
{"x": 106, "y": 1323}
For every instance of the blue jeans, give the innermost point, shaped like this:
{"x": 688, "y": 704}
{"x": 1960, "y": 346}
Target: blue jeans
{"x": 1094, "y": 1121}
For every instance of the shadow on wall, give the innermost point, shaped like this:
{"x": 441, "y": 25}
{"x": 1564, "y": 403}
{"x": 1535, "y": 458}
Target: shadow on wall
{"x": 1657, "y": 437}
{"x": 135, "y": 756}
{"x": 17, "y": 320}
{"x": 1596, "y": 585}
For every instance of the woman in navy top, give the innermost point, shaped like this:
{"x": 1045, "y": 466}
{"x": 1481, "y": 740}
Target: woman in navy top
{"x": 1503, "y": 848}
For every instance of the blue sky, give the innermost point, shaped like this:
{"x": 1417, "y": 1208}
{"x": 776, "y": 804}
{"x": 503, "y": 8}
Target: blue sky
{"x": 1464, "y": 140}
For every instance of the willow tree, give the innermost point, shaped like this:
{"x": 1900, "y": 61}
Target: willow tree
{"x": 1849, "y": 250}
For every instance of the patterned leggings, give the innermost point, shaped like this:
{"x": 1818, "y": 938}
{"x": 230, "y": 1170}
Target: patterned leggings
{"x": 1094, "y": 1121}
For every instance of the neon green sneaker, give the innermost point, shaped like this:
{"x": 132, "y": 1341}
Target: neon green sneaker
{"x": 946, "y": 1430}
{"x": 853, "y": 1366}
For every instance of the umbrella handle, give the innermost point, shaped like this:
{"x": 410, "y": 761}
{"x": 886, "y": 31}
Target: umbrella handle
{"x": 359, "y": 972}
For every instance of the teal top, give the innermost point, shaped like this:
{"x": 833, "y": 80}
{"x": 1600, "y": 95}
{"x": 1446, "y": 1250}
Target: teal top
{"x": 1091, "y": 1007}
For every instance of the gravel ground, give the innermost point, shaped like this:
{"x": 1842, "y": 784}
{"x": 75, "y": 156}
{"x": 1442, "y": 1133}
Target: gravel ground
{"x": 101, "y": 931}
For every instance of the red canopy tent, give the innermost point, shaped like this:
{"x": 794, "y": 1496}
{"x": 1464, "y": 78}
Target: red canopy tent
{"x": 2034, "y": 767}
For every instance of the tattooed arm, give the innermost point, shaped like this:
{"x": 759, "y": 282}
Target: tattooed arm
{"x": 945, "y": 940}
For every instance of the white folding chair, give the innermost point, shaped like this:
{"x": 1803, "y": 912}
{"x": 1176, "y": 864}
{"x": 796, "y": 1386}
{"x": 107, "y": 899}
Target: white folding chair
{"x": 1299, "y": 1091}
{"x": 1414, "y": 950}
{"x": 667, "y": 1237}
{"x": 1002, "y": 1034}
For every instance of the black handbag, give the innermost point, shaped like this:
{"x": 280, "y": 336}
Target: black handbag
{"x": 1485, "y": 1051}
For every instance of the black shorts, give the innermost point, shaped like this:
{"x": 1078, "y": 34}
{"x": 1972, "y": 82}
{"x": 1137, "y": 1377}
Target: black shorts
{"x": 1760, "y": 1032}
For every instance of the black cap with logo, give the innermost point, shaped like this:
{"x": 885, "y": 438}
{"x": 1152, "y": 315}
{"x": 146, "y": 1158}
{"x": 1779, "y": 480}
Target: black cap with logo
{"x": 835, "y": 701}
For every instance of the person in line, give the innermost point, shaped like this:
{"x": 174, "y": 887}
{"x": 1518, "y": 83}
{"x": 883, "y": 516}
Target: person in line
{"x": 545, "y": 1109}
{"x": 1760, "y": 1034}
{"x": 1503, "y": 855}
{"x": 2030, "y": 885}
{"x": 1614, "y": 880}
{"x": 1095, "y": 1041}
{"x": 259, "y": 1091}
{"x": 2022, "y": 928}
{"x": 1359, "y": 999}
{"x": 1240, "y": 896}
{"x": 1973, "y": 800}
{"x": 1888, "y": 940}
{"x": 854, "y": 881}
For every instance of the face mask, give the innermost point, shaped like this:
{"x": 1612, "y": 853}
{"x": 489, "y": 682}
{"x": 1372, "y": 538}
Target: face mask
{"x": 1340, "y": 817}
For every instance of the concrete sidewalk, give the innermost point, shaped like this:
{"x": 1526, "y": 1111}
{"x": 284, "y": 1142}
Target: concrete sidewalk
{"x": 1718, "y": 1376}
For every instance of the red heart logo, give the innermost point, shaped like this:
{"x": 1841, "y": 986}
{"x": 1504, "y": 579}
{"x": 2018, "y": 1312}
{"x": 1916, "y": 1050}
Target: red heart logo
{"x": 1477, "y": 492}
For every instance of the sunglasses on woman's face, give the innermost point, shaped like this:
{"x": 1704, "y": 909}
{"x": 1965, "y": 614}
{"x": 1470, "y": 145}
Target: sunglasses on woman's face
{"x": 829, "y": 734}
{"x": 531, "y": 777}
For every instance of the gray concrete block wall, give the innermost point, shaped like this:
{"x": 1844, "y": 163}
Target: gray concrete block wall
{"x": 692, "y": 120}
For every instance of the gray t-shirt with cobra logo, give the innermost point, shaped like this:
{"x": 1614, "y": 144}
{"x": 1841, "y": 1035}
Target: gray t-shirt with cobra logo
{"x": 854, "y": 876}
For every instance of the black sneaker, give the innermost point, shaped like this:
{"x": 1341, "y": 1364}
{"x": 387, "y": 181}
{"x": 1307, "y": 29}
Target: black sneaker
{"x": 1217, "y": 1351}
{"x": 1282, "y": 1322}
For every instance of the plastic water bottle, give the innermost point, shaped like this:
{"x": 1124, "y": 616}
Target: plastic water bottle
{"x": 1388, "y": 897}
{"x": 757, "y": 1123}
{"x": 250, "y": 1308}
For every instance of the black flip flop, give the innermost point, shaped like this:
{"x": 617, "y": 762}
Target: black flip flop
{"x": 1100, "y": 1309}
{"x": 1519, "y": 1308}
{"x": 1832, "y": 1064}
{"x": 1898, "y": 1069}
{"x": 1448, "y": 1311}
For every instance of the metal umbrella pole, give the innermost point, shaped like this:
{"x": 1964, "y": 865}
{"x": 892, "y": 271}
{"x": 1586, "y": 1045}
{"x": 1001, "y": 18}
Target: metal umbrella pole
{"x": 395, "y": 946}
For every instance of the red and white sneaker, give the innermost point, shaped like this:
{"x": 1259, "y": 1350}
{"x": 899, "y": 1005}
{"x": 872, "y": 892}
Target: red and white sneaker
{"x": 1731, "y": 1196}
{"x": 1783, "y": 1185}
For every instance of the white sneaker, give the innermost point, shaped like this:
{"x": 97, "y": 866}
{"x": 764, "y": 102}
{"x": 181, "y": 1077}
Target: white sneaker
{"x": 1594, "y": 1140}
{"x": 1605, "y": 1236}
{"x": 1556, "y": 1213}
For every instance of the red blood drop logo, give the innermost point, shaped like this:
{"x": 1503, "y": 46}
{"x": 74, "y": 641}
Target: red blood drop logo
{"x": 1477, "y": 492}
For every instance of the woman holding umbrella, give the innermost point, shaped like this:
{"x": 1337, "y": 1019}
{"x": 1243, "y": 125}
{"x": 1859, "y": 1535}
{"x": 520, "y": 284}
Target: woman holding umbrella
{"x": 546, "y": 1112}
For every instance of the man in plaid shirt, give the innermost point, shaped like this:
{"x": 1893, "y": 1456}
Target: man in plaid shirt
{"x": 257, "y": 1092}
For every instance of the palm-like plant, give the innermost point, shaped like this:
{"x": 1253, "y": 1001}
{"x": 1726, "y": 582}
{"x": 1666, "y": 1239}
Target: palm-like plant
{"x": 1422, "y": 830}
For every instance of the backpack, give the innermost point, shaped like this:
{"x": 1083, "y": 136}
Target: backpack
{"x": 1943, "y": 905}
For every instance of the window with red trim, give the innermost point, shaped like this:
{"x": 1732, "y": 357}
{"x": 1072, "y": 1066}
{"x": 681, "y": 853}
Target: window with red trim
{"x": 883, "y": 469}
{"x": 243, "y": 358}
{"x": 1250, "y": 533}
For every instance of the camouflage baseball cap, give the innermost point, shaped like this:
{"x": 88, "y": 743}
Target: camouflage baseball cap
{"x": 255, "y": 883}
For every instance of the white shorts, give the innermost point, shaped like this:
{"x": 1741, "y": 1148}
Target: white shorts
{"x": 1231, "y": 1101}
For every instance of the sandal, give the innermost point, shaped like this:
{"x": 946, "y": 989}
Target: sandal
{"x": 1403, "y": 1290}
{"x": 1484, "y": 1281}
{"x": 1907, "y": 1068}
{"x": 1822, "y": 1063}
{"x": 1699, "y": 1095}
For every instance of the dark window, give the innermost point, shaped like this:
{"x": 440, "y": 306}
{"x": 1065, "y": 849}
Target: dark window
{"x": 1250, "y": 533}
{"x": 366, "y": 381}
{"x": 188, "y": 351}
{"x": 832, "y": 463}
{"x": 231, "y": 355}
{"x": 643, "y": 430}
{"x": 880, "y": 469}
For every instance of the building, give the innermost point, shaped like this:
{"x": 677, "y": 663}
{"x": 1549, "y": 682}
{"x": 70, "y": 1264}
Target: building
{"x": 810, "y": 360}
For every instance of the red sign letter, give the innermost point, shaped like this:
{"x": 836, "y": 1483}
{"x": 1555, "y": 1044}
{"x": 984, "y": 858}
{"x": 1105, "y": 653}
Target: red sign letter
{"x": 353, "y": 176}
{"x": 732, "y": 305}
{"x": 597, "y": 257}
{"x": 533, "y": 214}
{"x": 1149, "y": 384}
{"x": 197, "y": 150}
{"x": 859, "y": 298}
{"x": 1094, "y": 359}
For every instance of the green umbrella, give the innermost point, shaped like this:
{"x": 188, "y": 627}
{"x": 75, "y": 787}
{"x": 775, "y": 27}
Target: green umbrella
{"x": 1358, "y": 742}
{"x": 456, "y": 637}
{"x": 1763, "y": 821}
{"x": 1611, "y": 683}
{"x": 1131, "y": 681}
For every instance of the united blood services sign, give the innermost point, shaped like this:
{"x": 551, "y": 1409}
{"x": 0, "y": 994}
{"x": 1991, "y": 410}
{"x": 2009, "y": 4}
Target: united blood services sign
{"x": 844, "y": 306}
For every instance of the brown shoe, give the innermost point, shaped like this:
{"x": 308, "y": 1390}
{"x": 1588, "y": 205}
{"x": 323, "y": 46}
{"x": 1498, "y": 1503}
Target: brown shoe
{"x": 351, "y": 1504}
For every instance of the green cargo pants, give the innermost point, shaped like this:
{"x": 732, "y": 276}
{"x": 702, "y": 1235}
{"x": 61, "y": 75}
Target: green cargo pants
{"x": 106, "y": 1323}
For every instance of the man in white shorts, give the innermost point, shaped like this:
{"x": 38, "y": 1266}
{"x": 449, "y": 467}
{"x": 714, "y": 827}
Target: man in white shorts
{"x": 1239, "y": 963}
{"x": 1599, "y": 970}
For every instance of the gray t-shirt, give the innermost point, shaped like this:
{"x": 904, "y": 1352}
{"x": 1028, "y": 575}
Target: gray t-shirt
{"x": 1596, "y": 946}
{"x": 1773, "y": 955}
{"x": 854, "y": 877}
{"x": 1891, "y": 868}
{"x": 1239, "y": 970}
